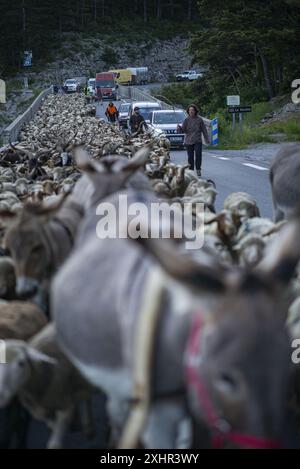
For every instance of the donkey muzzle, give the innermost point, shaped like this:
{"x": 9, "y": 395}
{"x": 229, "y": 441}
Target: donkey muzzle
{"x": 26, "y": 287}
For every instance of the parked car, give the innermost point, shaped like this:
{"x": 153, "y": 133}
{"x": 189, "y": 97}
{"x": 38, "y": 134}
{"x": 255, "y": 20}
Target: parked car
{"x": 188, "y": 75}
{"x": 146, "y": 107}
{"x": 167, "y": 121}
{"x": 71, "y": 85}
{"x": 124, "y": 114}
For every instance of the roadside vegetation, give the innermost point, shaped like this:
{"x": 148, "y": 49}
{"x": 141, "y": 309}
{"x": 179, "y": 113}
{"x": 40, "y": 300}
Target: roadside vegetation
{"x": 252, "y": 131}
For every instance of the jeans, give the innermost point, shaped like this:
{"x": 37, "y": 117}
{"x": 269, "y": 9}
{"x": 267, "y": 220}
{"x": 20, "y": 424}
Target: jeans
{"x": 193, "y": 150}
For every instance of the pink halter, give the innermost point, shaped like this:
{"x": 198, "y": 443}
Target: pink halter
{"x": 220, "y": 429}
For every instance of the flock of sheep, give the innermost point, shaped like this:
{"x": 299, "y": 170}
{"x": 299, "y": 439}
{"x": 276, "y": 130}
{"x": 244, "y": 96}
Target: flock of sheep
{"x": 132, "y": 317}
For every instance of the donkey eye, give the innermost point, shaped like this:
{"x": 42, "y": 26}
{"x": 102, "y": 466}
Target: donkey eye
{"x": 226, "y": 382}
{"x": 36, "y": 250}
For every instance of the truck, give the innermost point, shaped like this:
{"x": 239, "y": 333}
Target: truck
{"x": 122, "y": 76}
{"x": 139, "y": 75}
{"x": 188, "y": 75}
{"x": 107, "y": 83}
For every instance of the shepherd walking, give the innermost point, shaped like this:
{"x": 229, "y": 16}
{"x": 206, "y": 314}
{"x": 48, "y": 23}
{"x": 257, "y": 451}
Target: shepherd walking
{"x": 193, "y": 127}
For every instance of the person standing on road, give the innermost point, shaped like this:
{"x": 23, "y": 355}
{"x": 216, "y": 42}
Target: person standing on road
{"x": 112, "y": 113}
{"x": 137, "y": 121}
{"x": 98, "y": 95}
{"x": 193, "y": 127}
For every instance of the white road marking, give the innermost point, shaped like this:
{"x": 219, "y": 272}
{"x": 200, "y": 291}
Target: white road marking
{"x": 219, "y": 157}
{"x": 261, "y": 168}
{"x": 250, "y": 165}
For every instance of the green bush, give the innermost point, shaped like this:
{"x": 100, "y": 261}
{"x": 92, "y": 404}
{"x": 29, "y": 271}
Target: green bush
{"x": 290, "y": 127}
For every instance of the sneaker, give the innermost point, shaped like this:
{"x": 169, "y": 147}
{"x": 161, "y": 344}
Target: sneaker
{"x": 199, "y": 173}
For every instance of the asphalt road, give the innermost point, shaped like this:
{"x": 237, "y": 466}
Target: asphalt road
{"x": 232, "y": 171}
{"x": 233, "y": 175}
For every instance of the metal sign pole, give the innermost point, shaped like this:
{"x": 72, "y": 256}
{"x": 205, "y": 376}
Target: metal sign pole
{"x": 233, "y": 121}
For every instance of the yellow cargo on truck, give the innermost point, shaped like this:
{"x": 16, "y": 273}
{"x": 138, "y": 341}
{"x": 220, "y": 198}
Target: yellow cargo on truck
{"x": 122, "y": 76}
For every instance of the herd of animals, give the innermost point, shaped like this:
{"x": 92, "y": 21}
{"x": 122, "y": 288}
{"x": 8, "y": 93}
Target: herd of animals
{"x": 190, "y": 348}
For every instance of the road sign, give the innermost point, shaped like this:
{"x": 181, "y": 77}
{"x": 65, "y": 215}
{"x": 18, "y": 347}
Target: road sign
{"x": 239, "y": 109}
{"x": 214, "y": 132}
{"x": 233, "y": 100}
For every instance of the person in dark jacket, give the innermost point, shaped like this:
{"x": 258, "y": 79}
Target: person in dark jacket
{"x": 194, "y": 128}
{"x": 137, "y": 121}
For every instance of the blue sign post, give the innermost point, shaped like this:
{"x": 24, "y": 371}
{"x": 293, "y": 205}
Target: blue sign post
{"x": 214, "y": 132}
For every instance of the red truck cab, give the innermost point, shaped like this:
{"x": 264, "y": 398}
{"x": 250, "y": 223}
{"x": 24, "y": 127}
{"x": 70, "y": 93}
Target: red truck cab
{"x": 107, "y": 83}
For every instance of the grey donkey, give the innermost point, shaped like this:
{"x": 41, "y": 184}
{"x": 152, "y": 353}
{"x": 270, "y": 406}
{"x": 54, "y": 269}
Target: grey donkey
{"x": 221, "y": 356}
{"x": 285, "y": 181}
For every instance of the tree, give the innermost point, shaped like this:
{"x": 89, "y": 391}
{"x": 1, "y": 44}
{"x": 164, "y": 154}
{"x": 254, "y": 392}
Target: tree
{"x": 252, "y": 43}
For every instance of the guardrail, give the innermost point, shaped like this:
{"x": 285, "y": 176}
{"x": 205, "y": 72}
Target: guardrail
{"x": 136, "y": 94}
{"x": 11, "y": 133}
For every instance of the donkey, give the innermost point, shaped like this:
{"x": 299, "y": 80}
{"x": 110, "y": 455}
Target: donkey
{"x": 39, "y": 239}
{"x": 42, "y": 237}
{"x": 285, "y": 181}
{"x": 221, "y": 354}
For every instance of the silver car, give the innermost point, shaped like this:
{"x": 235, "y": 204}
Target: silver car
{"x": 167, "y": 121}
{"x": 124, "y": 114}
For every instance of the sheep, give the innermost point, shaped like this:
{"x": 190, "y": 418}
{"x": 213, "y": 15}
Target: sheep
{"x": 49, "y": 187}
{"x": 250, "y": 249}
{"x": 9, "y": 198}
{"x": 20, "y": 320}
{"x": 46, "y": 383}
{"x": 67, "y": 185}
{"x": 22, "y": 188}
{"x": 58, "y": 174}
{"x": 242, "y": 204}
{"x": 257, "y": 225}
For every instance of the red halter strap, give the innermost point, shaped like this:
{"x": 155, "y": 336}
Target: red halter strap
{"x": 220, "y": 429}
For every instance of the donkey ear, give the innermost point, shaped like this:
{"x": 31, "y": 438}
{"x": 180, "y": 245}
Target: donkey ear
{"x": 283, "y": 254}
{"x": 139, "y": 159}
{"x": 85, "y": 163}
{"x": 183, "y": 267}
{"x": 41, "y": 209}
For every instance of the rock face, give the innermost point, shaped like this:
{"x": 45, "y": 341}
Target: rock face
{"x": 287, "y": 111}
{"x": 163, "y": 58}
{"x": 86, "y": 57}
